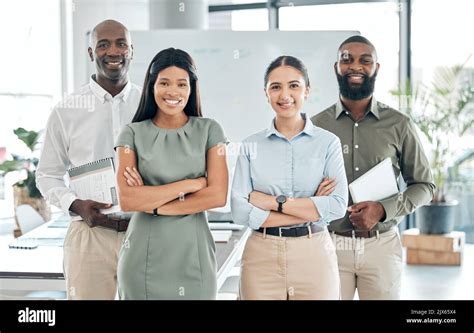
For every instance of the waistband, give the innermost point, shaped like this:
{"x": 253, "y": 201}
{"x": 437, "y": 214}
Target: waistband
{"x": 291, "y": 232}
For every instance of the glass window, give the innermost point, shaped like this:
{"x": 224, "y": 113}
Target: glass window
{"x": 30, "y": 64}
{"x": 239, "y": 20}
{"x": 250, "y": 20}
{"x": 441, "y": 38}
{"x": 379, "y": 22}
{"x": 220, "y": 20}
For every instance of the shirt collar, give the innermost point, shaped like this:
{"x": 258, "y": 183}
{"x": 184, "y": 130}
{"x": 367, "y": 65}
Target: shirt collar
{"x": 373, "y": 107}
{"x": 308, "y": 129}
{"x": 103, "y": 95}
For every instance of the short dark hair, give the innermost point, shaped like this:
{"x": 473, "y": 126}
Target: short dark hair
{"x": 287, "y": 61}
{"x": 168, "y": 58}
{"x": 357, "y": 39}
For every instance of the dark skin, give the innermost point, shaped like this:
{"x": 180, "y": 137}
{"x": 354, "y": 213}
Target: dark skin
{"x": 112, "y": 52}
{"x": 89, "y": 210}
{"x": 356, "y": 58}
{"x": 353, "y": 59}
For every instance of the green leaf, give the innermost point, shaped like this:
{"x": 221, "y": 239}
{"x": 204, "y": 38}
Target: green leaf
{"x": 440, "y": 109}
{"x": 11, "y": 165}
{"x": 30, "y": 138}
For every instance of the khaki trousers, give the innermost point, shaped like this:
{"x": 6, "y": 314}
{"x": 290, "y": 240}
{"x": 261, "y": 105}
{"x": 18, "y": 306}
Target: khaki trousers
{"x": 294, "y": 268}
{"x": 90, "y": 262}
{"x": 373, "y": 266}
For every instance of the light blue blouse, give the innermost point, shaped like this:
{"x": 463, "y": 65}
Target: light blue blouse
{"x": 270, "y": 163}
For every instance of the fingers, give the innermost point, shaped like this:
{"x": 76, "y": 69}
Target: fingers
{"x": 89, "y": 221}
{"x": 251, "y": 197}
{"x": 356, "y": 218}
{"x": 330, "y": 187}
{"x": 137, "y": 176}
{"x": 358, "y": 206}
{"x": 100, "y": 205}
{"x": 361, "y": 219}
{"x": 98, "y": 219}
{"x": 326, "y": 187}
{"x": 129, "y": 179}
{"x": 133, "y": 177}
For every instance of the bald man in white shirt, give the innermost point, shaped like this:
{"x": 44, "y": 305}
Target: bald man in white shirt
{"x": 82, "y": 129}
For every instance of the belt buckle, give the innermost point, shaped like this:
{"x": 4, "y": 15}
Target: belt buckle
{"x": 279, "y": 231}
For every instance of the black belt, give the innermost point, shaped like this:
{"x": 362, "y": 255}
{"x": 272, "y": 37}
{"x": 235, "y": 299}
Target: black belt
{"x": 117, "y": 225}
{"x": 291, "y": 232}
{"x": 357, "y": 233}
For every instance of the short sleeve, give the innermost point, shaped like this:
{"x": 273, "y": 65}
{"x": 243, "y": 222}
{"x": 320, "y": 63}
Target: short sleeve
{"x": 215, "y": 135}
{"x": 126, "y": 138}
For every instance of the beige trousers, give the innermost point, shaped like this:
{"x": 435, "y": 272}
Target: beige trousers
{"x": 90, "y": 262}
{"x": 373, "y": 266}
{"x": 294, "y": 268}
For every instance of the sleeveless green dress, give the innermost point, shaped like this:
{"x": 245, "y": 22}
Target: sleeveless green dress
{"x": 169, "y": 257}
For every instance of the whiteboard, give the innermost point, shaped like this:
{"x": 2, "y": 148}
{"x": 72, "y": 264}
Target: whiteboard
{"x": 231, "y": 66}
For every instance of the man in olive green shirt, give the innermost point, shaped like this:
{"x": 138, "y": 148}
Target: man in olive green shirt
{"x": 367, "y": 241}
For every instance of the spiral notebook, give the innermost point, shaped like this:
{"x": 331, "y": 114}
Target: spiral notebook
{"x": 96, "y": 181}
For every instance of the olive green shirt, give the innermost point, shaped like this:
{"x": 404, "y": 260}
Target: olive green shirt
{"x": 382, "y": 132}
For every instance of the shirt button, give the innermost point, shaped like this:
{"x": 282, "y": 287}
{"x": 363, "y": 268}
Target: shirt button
{"x": 356, "y": 125}
{"x": 356, "y": 146}
{"x": 357, "y": 169}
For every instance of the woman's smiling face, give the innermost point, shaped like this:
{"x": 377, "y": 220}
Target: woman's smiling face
{"x": 172, "y": 89}
{"x": 286, "y": 91}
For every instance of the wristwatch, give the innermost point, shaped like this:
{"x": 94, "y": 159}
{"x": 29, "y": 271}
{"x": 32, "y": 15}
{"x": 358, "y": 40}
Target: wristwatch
{"x": 281, "y": 199}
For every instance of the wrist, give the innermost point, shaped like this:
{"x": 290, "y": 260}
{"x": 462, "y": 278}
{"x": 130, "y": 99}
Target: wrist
{"x": 75, "y": 206}
{"x": 279, "y": 202}
{"x": 271, "y": 203}
{"x": 382, "y": 213}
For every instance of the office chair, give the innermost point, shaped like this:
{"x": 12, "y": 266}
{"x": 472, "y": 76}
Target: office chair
{"x": 28, "y": 218}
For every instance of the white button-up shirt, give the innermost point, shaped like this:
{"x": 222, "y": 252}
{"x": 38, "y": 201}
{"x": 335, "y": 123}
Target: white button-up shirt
{"x": 81, "y": 129}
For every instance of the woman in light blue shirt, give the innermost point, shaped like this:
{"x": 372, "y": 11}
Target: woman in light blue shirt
{"x": 287, "y": 192}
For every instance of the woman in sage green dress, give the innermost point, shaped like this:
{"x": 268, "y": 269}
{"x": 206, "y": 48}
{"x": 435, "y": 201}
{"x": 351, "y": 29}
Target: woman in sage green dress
{"x": 171, "y": 169}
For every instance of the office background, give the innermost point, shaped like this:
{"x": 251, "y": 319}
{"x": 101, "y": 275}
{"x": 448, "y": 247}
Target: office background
{"x": 45, "y": 57}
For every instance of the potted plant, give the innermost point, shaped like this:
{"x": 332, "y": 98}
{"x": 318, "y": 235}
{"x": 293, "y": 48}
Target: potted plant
{"x": 442, "y": 111}
{"x": 25, "y": 190}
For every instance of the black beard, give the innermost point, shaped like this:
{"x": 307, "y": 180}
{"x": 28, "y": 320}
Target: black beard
{"x": 358, "y": 92}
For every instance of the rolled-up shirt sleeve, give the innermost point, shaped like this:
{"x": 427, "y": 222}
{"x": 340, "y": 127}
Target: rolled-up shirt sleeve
{"x": 243, "y": 212}
{"x": 333, "y": 206}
